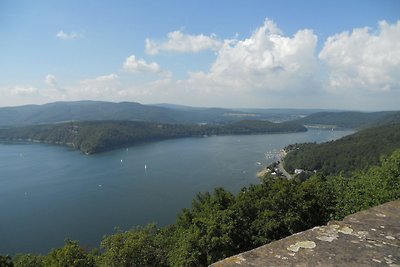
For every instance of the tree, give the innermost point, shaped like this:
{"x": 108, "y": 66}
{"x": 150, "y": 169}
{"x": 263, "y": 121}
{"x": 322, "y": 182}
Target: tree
{"x": 138, "y": 247}
{"x": 28, "y": 260}
{"x": 71, "y": 255}
{"x": 5, "y": 261}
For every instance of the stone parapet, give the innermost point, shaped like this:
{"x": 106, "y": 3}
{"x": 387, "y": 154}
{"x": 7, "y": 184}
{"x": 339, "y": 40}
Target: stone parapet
{"x": 367, "y": 238}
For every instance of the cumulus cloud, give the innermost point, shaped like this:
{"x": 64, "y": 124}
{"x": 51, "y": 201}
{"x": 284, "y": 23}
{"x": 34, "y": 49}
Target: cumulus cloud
{"x": 51, "y": 81}
{"x": 132, "y": 64}
{"x": 364, "y": 59}
{"x": 101, "y": 81}
{"x": 266, "y": 69}
{"x": 266, "y": 61}
{"x": 105, "y": 78}
{"x": 100, "y": 86}
{"x": 182, "y": 43}
{"x": 24, "y": 90}
{"x": 68, "y": 36}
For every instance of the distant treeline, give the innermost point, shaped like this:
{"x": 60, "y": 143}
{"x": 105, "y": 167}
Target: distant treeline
{"x": 351, "y": 119}
{"x": 98, "y": 136}
{"x": 353, "y": 152}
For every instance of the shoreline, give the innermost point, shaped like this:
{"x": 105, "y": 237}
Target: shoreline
{"x": 279, "y": 166}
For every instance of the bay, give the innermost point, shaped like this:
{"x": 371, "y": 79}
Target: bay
{"x": 49, "y": 193}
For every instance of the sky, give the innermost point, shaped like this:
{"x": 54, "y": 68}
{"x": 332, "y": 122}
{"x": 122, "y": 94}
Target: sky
{"x": 226, "y": 53}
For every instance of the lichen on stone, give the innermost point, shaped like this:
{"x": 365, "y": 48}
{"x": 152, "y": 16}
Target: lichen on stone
{"x": 326, "y": 238}
{"x": 302, "y": 244}
{"x": 345, "y": 230}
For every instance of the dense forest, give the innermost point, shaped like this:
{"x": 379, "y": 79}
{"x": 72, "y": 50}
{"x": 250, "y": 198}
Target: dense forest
{"x": 221, "y": 224}
{"x": 350, "y": 119}
{"x": 98, "y": 136}
{"x": 356, "y": 151}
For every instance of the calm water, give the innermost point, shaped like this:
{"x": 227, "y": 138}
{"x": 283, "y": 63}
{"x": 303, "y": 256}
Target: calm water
{"x": 48, "y": 193}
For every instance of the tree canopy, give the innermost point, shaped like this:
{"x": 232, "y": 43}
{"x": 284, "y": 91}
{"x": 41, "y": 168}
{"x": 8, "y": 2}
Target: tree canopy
{"x": 98, "y": 136}
{"x": 353, "y": 152}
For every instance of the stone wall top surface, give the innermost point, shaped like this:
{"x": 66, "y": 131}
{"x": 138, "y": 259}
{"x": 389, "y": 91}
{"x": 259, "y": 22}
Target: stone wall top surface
{"x": 367, "y": 238}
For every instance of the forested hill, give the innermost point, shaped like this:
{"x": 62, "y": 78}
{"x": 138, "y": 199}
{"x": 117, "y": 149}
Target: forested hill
{"x": 100, "y": 110}
{"x": 97, "y": 110}
{"x": 390, "y": 118}
{"x": 97, "y": 136}
{"x": 350, "y": 119}
{"x": 353, "y": 152}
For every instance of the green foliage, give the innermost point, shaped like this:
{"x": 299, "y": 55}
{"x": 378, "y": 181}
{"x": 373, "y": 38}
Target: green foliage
{"x": 137, "y": 247}
{"x": 98, "y": 136}
{"x": 350, "y": 153}
{"x": 351, "y": 119}
{"x": 71, "y": 255}
{"x": 28, "y": 260}
{"x": 220, "y": 224}
{"x": 5, "y": 261}
{"x": 205, "y": 233}
{"x": 370, "y": 188}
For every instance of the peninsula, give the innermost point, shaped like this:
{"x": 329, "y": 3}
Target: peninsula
{"x": 98, "y": 136}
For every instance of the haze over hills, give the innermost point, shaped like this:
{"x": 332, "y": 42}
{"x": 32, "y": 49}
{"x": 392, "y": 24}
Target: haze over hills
{"x": 83, "y": 110}
{"x": 165, "y": 113}
{"x": 350, "y": 119}
{"x": 168, "y": 113}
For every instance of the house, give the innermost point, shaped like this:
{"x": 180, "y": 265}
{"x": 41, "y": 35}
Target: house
{"x": 298, "y": 171}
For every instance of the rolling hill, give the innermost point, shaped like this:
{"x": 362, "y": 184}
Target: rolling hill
{"x": 350, "y": 119}
{"x": 353, "y": 152}
{"x": 165, "y": 113}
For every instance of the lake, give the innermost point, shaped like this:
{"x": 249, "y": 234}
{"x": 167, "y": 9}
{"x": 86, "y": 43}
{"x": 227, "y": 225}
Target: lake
{"x": 49, "y": 193}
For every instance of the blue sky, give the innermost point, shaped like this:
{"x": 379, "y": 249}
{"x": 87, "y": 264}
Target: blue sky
{"x": 297, "y": 54}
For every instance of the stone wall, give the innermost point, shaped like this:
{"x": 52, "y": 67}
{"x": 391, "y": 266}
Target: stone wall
{"x": 366, "y": 238}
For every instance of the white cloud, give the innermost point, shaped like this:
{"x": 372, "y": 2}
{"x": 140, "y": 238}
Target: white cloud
{"x": 100, "y": 81}
{"x": 354, "y": 70}
{"x": 132, "y": 64}
{"x": 100, "y": 86}
{"x": 51, "y": 81}
{"x": 68, "y": 36}
{"x": 105, "y": 78}
{"x": 182, "y": 43}
{"x": 364, "y": 59}
{"x": 265, "y": 62}
{"x": 24, "y": 90}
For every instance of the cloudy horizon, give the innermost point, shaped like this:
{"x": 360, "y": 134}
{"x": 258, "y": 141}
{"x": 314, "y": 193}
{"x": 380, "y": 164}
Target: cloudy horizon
{"x": 271, "y": 65}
